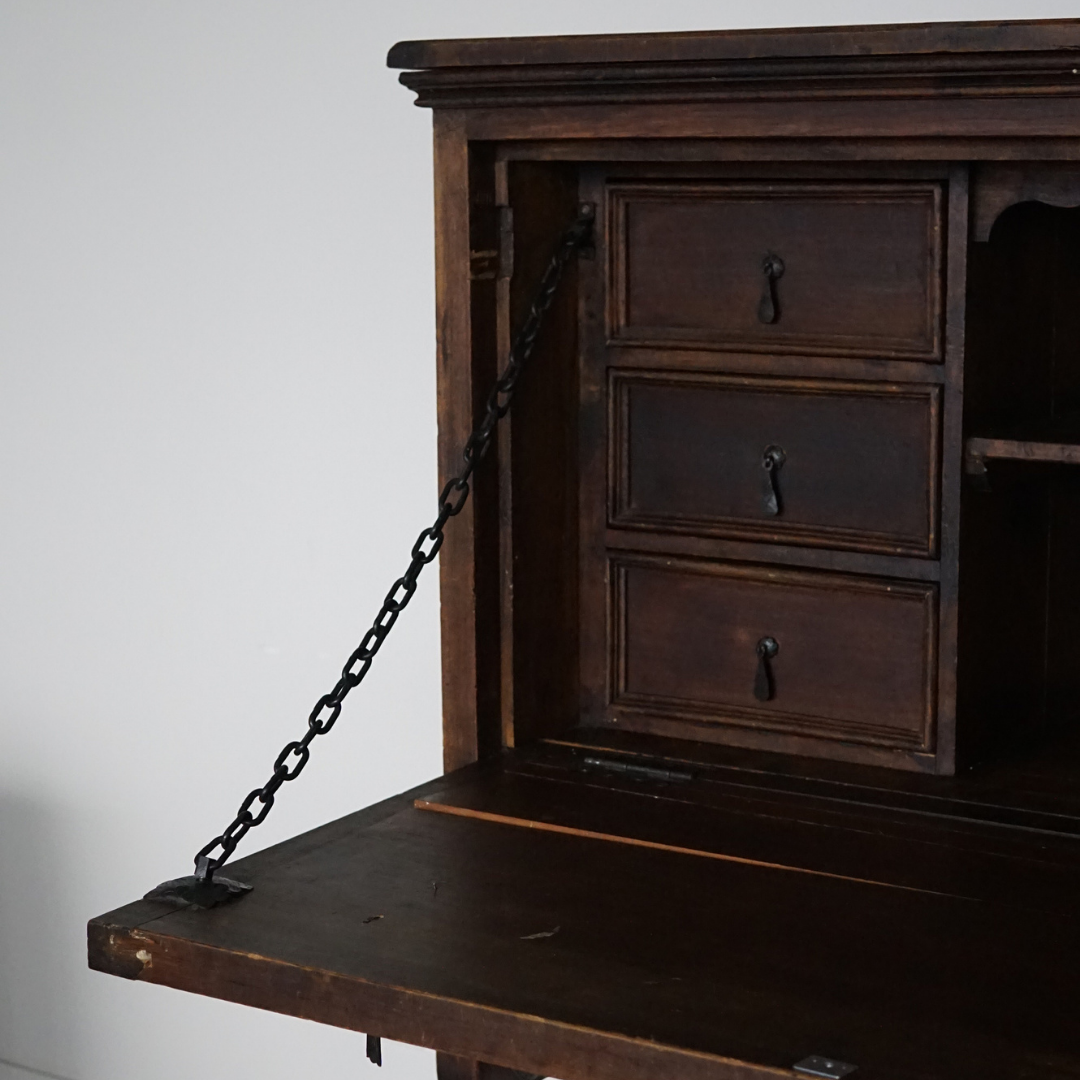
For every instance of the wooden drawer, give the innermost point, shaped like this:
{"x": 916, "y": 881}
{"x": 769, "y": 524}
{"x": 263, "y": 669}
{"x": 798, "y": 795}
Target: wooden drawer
{"x": 855, "y": 660}
{"x": 858, "y": 461}
{"x": 859, "y": 264}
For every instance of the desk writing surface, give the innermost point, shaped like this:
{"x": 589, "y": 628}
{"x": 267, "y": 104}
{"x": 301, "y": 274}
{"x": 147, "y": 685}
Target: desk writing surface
{"x": 578, "y": 956}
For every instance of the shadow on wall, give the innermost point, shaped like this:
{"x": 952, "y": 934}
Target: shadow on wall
{"x": 37, "y": 1002}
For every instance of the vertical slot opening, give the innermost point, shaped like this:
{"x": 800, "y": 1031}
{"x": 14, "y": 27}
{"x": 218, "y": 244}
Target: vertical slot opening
{"x": 1019, "y": 661}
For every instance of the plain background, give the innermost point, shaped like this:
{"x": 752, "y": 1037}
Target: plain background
{"x": 217, "y": 442}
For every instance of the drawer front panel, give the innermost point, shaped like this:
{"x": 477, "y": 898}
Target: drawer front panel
{"x": 855, "y": 657}
{"x": 855, "y": 270}
{"x": 858, "y": 462}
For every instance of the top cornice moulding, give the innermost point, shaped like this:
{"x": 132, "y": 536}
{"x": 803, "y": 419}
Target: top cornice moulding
{"x": 927, "y": 60}
{"x": 906, "y": 39}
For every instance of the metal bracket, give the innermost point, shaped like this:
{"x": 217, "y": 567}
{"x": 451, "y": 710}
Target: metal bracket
{"x": 197, "y": 892}
{"x": 374, "y": 1050}
{"x": 639, "y": 772}
{"x": 829, "y": 1068}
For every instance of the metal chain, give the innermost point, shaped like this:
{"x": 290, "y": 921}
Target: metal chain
{"x": 292, "y": 759}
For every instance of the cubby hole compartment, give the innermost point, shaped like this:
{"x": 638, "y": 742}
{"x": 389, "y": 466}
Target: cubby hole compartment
{"x": 1019, "y": 610}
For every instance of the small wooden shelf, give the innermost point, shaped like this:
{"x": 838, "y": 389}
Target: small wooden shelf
{"x": 977, "y": 452}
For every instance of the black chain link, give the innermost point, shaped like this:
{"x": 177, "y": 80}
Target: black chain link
{"x": 292, "y": 759}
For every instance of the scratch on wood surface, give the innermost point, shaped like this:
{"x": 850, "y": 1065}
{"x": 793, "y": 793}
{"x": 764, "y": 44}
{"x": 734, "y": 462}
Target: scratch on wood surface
{"x": 541, "y": 934}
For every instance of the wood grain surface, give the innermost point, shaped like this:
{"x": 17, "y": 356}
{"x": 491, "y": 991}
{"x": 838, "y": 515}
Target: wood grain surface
{"x": 584, "y": 958}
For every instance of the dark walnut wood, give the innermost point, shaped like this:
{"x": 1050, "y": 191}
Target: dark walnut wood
{"x": 761, "y": 629}
{"x": 556, "y": 951}
{"x": 860, "y": 461}
{"x": 858, "y": 267}
{"x": 954, "y": 41}
{"x": 686, "y": 439}
{"x": 839, "y": 63}
{"x": 854, "y": 658}
{"x": 708, "y": 809}
{"x": 1003, "y": 185}
{"x": 978, "y": 451}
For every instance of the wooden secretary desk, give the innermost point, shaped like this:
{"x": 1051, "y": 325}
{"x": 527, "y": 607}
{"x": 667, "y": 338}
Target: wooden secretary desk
{"x": 761, "y": 634}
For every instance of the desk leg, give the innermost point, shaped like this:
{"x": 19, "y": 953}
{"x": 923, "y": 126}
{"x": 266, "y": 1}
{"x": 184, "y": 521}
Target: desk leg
{"x": 449, "y": 1067}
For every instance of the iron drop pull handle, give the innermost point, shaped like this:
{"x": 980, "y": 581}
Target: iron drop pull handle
{"x": 768, "y": 310}
{"x": 764, "y": 686}
{"x": 771, "y": 461}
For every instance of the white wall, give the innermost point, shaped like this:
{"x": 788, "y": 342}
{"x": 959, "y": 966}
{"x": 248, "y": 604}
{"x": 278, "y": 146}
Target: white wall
{"x": 217, "y": 442}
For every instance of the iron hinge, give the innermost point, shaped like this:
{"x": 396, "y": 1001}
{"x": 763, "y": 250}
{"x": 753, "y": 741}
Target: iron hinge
{"x": 639, "y": 772}
{"x": 825, "y": 1067}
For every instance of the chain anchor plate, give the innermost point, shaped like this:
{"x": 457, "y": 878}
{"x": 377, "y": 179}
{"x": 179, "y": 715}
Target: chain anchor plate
{"x": 204, "y": 889}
